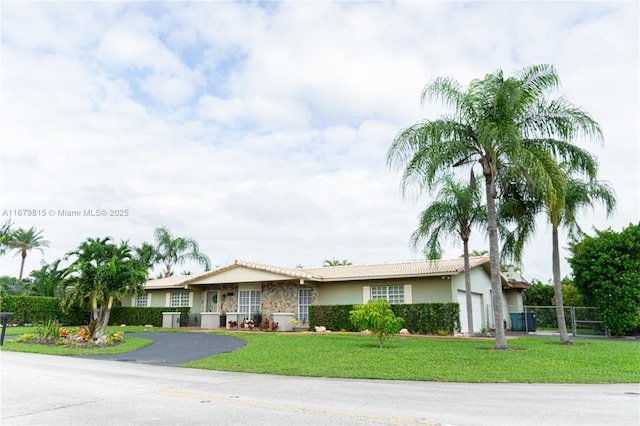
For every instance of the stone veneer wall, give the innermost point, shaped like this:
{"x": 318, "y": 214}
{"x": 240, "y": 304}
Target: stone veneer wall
{"x": 229, "y": 303}
{"x": 283, "y": 297}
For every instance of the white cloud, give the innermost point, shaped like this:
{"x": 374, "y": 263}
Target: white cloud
{"x": 262, "y": 130}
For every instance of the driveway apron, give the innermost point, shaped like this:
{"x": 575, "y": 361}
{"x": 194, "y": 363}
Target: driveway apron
{"x": 175, "y": 349}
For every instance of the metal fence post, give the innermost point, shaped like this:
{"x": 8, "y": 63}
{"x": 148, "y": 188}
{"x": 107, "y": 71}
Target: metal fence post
{"x": 573, "y": 321}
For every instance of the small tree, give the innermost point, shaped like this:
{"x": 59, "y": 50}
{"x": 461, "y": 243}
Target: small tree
{"x": 377, "y": 317}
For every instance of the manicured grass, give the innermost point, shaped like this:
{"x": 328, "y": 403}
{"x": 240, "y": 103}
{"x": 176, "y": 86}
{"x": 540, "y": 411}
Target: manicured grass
{"x": 532, "y": 360}
{"x": 128, "y": 344}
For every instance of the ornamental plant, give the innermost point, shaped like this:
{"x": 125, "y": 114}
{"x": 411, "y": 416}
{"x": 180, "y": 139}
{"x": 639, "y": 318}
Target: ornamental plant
{"x": 377, "y": 317}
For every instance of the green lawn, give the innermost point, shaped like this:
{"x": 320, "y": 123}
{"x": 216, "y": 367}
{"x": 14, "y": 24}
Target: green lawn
{"x": 532, "y": 360}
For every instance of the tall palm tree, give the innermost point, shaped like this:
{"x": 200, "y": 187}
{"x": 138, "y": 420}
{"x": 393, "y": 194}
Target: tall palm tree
{"x": 578, "y": 191}
{"x": 172, "y": 251}
{"x": 498, "y": 123}
{"x": 456, "y": 209}
{"x": 336, "y": 262}
{"x": 24, "y": 241}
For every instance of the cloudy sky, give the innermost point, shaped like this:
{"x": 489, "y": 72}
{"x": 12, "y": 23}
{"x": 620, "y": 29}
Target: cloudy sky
{"x": 261, "y": 129}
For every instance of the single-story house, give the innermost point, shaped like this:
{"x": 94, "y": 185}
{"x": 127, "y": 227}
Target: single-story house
{"x": 249, "y": 288}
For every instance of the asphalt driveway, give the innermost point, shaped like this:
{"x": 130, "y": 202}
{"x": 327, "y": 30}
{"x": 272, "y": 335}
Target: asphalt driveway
{"x": 175, "y": 349}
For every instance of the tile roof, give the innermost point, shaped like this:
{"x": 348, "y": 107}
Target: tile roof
{"x": 175, "y": 281}
{"x": 397, "y": 270}
{"x": 339, "y": 273}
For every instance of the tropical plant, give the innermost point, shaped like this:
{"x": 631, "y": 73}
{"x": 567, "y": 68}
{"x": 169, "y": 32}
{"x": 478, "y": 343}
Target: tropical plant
{"x": 501, "y": 124}
{"x": 5, "y": 234}
{"x": 456, "y": 209}
{"x": 24, "y": 241}
{"x": 103, "y": 273}
{"x": 172, "y": 251}
{"x": 606, "y": 270}
{"x": 336, "y": 262}
{"x": 377, "y": 317}
{"x": 49, "y": 280}
{"x": 147, "y": 255}
{"x": 8, "y": 286}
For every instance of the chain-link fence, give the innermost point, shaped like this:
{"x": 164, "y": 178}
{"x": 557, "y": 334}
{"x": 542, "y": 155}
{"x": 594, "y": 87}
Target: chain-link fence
{"x": 580, "y": 321}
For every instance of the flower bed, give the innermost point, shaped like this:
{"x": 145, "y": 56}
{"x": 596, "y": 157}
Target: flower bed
{"x": 51, "y": 334}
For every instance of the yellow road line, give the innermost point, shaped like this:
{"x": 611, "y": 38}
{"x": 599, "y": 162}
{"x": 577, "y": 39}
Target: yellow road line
{"x": 293, "y": 408}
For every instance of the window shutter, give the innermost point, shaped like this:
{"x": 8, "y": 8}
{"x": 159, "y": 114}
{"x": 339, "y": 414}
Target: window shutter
{"x": 148, "y": 300}
{"x": 191, "y": 299}
{"x": 133, "y": 301}
{"x": 366, "y": 293}
{"x": 168, "y": 300}
{"x": 408, "y": 299}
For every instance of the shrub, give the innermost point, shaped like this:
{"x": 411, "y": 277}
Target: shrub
{"x": 419, "y": 318}
{"x": 25, "y": 338}
{"x": 38, "y": 309}
{"x": 377, "y": 317}
{"x": 48, "y": 330}
{"x": 334, "y": 317}
{"x": 606, "y": 271}
{"x": 113, "y": 337}
{"x": 143, "y": 316}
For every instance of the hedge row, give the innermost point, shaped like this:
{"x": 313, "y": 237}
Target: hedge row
{"x": 37, "y": 309}
{"x": 144, "y": 316}
{"x": 419, "y": 318}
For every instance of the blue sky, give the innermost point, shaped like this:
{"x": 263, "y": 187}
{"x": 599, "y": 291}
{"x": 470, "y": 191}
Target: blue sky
{"x": 261, "y": 129}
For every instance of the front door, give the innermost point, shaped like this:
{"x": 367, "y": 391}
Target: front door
{"x": 211, "y": 296}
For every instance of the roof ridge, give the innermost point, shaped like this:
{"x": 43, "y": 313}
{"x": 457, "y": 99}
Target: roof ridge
{"x": 405, "y": 262}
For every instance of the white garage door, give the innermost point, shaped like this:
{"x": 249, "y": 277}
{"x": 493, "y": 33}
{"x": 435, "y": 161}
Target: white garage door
{"x": 476, "y": 306}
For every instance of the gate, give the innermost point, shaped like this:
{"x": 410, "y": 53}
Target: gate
{"x": 580, "y": 321}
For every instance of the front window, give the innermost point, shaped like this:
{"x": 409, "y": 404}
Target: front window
{"x": 179, "y": 299}
{"x": 393, "y": 293}
{"x": 142, "y": 300}
{"x": 249, "y": 302}
{"x": 304, "y": 300}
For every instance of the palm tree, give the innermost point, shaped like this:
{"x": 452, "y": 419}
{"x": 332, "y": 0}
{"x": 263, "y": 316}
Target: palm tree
{"x": 175, "y": 251}
{"x": 24, "y": 241}
{"x": 147, "y": 254}
{"x": 49, "y": 280}
{"x": 103, "y": 273}
{"x": 499, "y": 123}
{"x": 456, "y": 209}
{"x": 336, "y": 262}
{"x": 578, "y": 192}
{"x": 5, "y": 234}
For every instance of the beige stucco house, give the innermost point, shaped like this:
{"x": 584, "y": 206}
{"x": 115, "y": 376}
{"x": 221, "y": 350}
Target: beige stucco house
{"x": 247, "y": 288}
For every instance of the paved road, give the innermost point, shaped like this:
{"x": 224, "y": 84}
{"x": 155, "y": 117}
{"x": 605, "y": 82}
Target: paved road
{"x": 49, "y": 390}
{"x": 175, "y": 349}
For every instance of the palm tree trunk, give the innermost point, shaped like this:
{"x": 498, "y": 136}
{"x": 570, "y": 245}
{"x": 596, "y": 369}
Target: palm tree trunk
{"x": 102, "y": 329}
{"x": 494, "y": 254}
{"x": 24, "y": 257}
{"x": 557, "y": 289}
{"x": 467, "y": 287}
